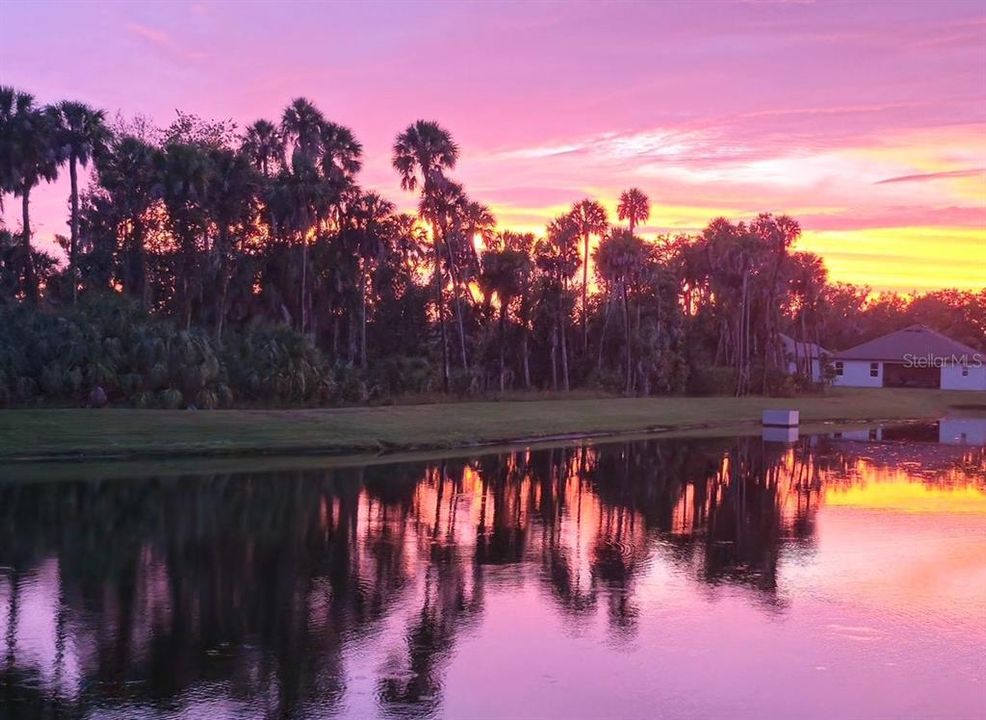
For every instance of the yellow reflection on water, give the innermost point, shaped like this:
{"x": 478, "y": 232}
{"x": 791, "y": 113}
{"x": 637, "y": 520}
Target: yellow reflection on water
{"x": 899, "y": 489}
{"x": 908, "y": 496}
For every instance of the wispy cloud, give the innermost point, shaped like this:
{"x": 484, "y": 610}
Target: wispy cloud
{"x": 544, "y": 151}
{"x": 164, "y": 43}
{"x": 923, "y": 177}
{"x": 657, "y": 144}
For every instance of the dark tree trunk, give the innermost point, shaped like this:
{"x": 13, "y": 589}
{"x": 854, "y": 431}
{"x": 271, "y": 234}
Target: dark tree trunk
{"x": 186, "y": 302}
{"x": 440, "y": 310}
{"x": 74, "y": 229}
{"x": 352, "y": 341}
{"x": 503, "y": 338}
{"x": 458, "y": 307}
{"x": 602, "y": 335}
{"x": 626, "y": 325}
{"x": 771, "y": 334}
{"x": 564, "y": 353}
{"x": 143, "y": 287}
{"x": 302, "y": 310}
{"x": 30, "y": 278}
{"x": 554, "y": 357}
{"x": 527, "y": 361}
{"x": 362, "y": 330}
{"x": 585, "y": 297}
{"x": 223, "y": 283}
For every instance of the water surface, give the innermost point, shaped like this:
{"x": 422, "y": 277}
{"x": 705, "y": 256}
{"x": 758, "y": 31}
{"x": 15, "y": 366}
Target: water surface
{"x": 661, "y": 579}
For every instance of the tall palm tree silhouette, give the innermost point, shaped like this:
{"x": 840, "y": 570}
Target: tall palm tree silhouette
{"x": 29, "y": 154}
{"x": 421, "y": 155}
{"x": 634, "y": 207}
{"x": 618, "y": 259}
{"x": 590, "y": 218}
{"x": 82, "y": 133}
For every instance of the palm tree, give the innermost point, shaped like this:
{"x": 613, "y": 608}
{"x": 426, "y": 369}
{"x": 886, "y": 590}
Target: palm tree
{"x": 370, "y": 214}
{"x": 264, "y": 146}
{"x": 82, "y": 133}
{"x": 29, "y": 153}
{"x": 777, "y": 234}
{"x": 808, "y": 281}
{"x": 618, "y": 260}
{"x": 342, "y": 154}
{"x": 503, "y": 273}
{"x": 426, "y": 149}
{"x": 299, "y": 198}
{"x": 524, "y": 244}
{"x": 302, "y": 124}
{"x": 558, "y": 259}
{"x": 471, "y": 219}
{"x": 342, "y": 158}
{"x": 128, "y": 173}
{"x": 12, "y": 105}
{"x": 444, "y": 208}
{"x": 590, "y": 218}
{"x": 230, "y": 197}
{"x": 477, "y": 219}
{"x": 634, "y": 207}
{"x": 185, "y": 173}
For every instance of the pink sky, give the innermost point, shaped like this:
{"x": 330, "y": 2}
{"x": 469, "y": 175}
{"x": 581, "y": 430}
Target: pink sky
{"x": 866, "y": 121}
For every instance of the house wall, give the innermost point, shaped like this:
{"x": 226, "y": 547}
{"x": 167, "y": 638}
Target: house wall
{"x": 962, "y": 431}
{"x": 952, "y": 378}
{"x": 816, "y": 369}
{"x": 865, "y": 435}
{"x": 856, "y": 373}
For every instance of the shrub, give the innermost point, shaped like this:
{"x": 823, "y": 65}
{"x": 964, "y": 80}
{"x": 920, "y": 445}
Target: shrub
{"x": 712, "y": 380}
{"x": 393, "y": 376}
{"x": 107, "y": 342}
{"x": 276, "y": 365}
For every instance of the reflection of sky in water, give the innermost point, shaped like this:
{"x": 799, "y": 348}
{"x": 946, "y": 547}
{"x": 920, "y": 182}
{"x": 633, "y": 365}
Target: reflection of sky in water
{"x": 706, "y": 579}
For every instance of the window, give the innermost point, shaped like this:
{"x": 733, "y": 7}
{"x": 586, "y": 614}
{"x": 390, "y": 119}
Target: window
{"x": 839, "y": 368}
{"x": 874, "y": 369}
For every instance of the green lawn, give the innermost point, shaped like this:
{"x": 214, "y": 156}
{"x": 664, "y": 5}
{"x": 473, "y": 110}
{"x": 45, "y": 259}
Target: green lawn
{"x": 96, "y": 434}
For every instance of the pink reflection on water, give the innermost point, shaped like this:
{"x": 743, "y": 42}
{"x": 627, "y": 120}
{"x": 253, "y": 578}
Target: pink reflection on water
{"x": 621, "y": 581}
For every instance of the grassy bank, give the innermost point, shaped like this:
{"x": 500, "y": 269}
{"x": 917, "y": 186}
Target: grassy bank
{"x": 111, "y": 433}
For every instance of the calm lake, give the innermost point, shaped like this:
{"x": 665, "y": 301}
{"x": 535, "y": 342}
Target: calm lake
{"x": 838, "y": 577}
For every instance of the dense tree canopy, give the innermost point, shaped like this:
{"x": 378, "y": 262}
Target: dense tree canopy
{"x": 207, "y": 266}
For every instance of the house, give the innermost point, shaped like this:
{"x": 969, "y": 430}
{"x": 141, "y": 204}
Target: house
{"x": 804, "y": 358}
{"x": 947, "y": 431}
{"x": 916, "y": 356}
{"x": 962, "y": 431}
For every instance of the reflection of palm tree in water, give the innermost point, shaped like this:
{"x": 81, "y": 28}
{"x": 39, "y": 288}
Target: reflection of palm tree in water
{"x": 502, "y": 486}
{"x": 555, "y": 473}
{"x": 260, "y": 581}
{"x": 412, "y": 674}
{"x": 13, "y": 612}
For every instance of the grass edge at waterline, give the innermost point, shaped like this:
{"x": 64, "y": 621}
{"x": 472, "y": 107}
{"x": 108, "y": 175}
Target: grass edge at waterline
{"x": 76, "y": 434}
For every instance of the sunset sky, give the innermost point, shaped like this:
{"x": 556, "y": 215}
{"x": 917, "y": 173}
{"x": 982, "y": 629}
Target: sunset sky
{"x": 866, "y": 121}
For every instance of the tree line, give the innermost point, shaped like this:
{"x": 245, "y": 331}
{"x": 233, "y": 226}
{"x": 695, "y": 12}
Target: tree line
{"x": 207, "y": 265}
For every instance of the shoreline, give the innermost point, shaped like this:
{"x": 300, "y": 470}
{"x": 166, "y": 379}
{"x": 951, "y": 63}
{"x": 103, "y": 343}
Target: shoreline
{"x": 114, "y": 435}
